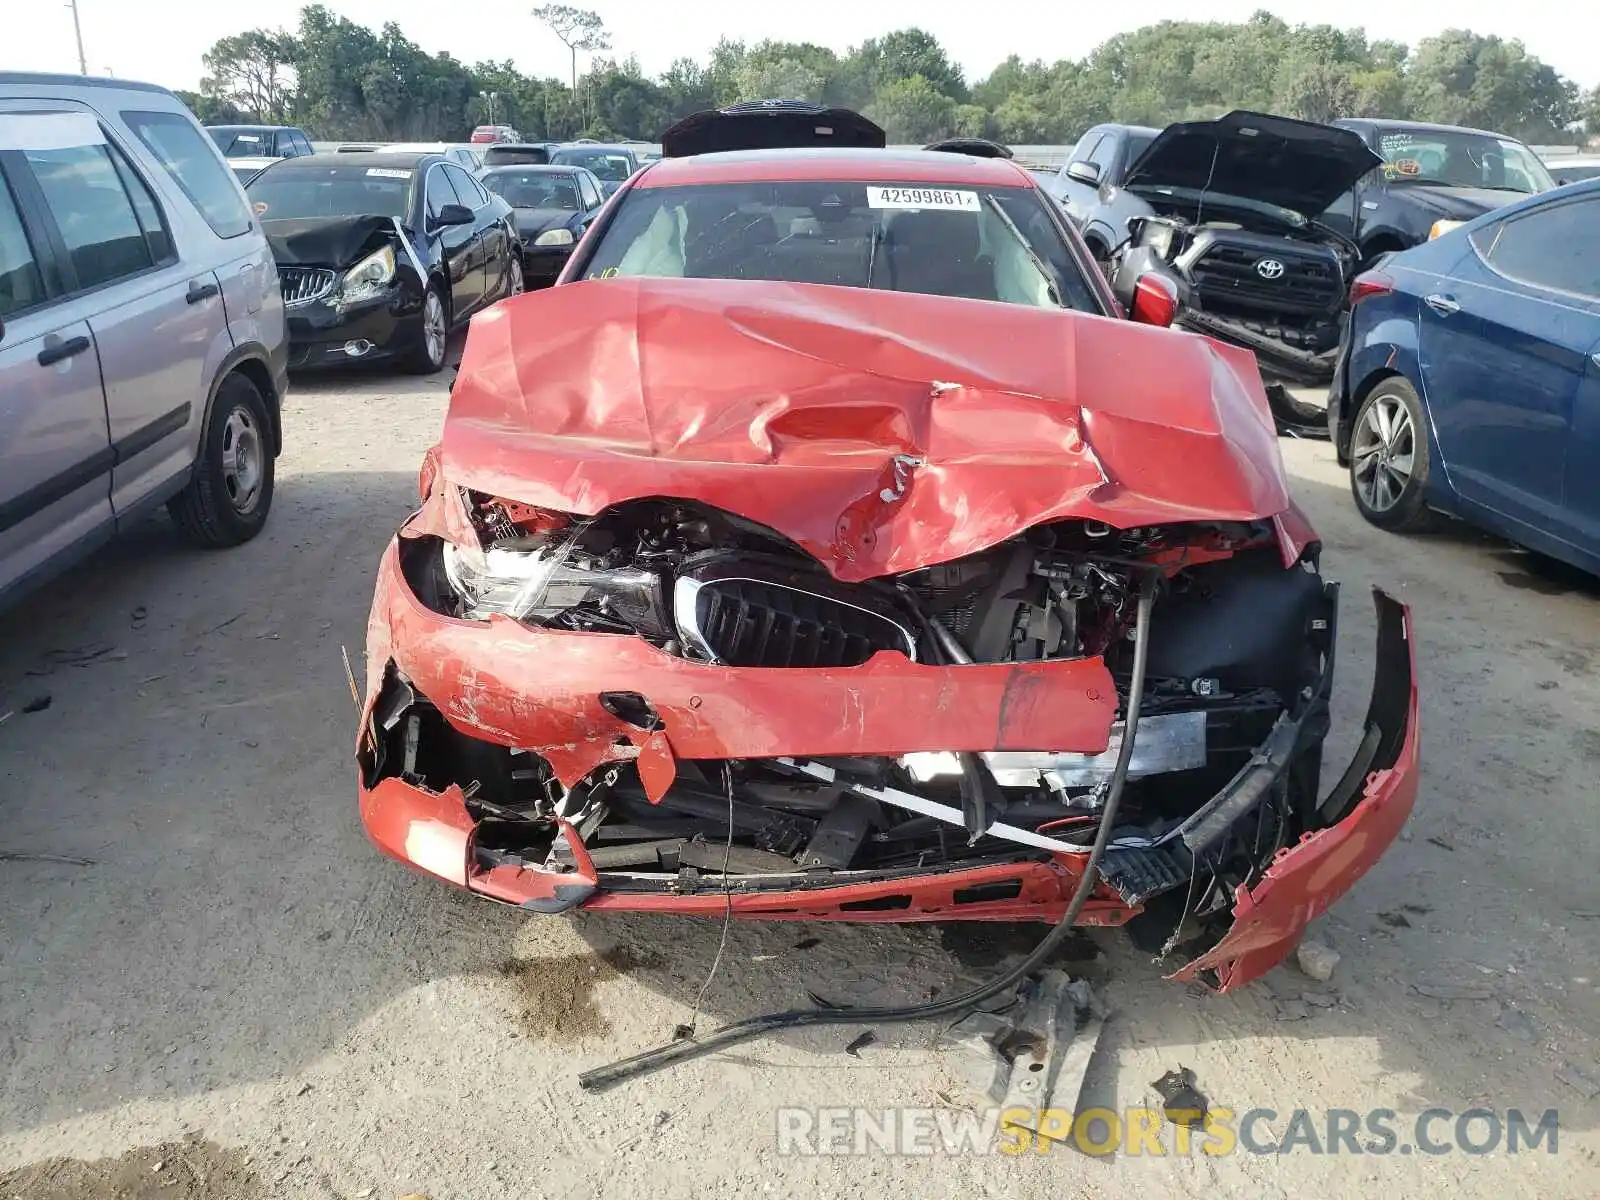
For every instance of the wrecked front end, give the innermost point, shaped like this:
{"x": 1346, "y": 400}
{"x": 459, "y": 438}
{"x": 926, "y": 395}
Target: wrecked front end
{"x": 811, "y": 604}
{"x": 568, "y": 711}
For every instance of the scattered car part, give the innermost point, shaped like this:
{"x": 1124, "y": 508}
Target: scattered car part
{"x": 1181, "y": 1100}
{"x": 1031, "y": 1057}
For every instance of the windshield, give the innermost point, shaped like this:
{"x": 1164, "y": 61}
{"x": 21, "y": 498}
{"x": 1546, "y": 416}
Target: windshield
{"x": 240, "y": 145}
{"x": 1138, "y": 143}
{"x": 342, "y": 191}
{"x": 1575, "y": 173}
{"x": 997, "y": 244}
{"x": 1456, "y": 158}
{"x": 533, "y": 189}
{"x": 612, "y": 166}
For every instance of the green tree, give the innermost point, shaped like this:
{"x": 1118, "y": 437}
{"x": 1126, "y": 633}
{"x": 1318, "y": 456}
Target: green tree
{"x": 254, "y": 73}
{"x": 578, "y": 29}
{"x": 913, "y": 110}
{"x": 1464, "y": 78}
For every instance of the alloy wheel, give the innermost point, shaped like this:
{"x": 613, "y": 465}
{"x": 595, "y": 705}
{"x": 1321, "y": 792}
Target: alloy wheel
{"x": 433, "y": 327}
{"x": 1383, "y": 452}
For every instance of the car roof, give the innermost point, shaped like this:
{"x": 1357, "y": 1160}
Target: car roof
{"x": 838, "y": 164}
{"x": 398, "y": 159}
{"x": 250, "y": 128}
{"x": 537, "y": 168}
{"x": 595, "y": 146}
{"x": 1419, "y": 127}
{"x": 45, "y": 79}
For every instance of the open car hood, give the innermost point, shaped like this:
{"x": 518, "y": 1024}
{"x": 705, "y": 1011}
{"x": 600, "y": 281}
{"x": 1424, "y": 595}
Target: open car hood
{"x": 767, "y": 125}
{"x": 327, "y": 241}
{"x": 880, "y": 431}
{"x": 1296, "y": 165}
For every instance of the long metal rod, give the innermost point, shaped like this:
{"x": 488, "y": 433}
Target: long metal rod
{"x": 662, "y": 1056}
{"x": 77, "y": 29}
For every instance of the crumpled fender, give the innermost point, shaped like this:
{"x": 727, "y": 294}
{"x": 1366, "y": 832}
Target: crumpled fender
{"x": 1305, "y": 879}
{"x": 432, "y": 831}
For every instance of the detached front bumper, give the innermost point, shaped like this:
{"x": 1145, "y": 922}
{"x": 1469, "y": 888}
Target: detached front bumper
{"x": 505, "y": 683}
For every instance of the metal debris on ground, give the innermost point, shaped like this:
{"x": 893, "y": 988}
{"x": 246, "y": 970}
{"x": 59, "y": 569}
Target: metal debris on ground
{"x": 859, "y": 1043}
{"x": 1454, "y": 991}
{"x": 1574, "y": 1078}
{"x": 1180, "y": 1098}
{"x": 1033, "y": 1054}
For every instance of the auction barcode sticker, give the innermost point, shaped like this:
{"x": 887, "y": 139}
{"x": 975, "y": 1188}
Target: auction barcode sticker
{"x": 388, "y": 173}
{"x": 922, "y": 197}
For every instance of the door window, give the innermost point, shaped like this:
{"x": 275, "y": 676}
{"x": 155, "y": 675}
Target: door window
{"x": 1103, "y": 154}
{"x": 440, "y": 192}
{"x": 186, "y": 154}
{"x": 145, "y": 207}
{"x": 1552, "y": 248}
{"x": 21, "y": 287}
{"x": 85, "y": 194}
{"x": 473, "y": 196}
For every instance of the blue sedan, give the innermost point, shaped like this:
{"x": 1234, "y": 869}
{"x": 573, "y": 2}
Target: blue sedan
{"x": 1469, "y": 379}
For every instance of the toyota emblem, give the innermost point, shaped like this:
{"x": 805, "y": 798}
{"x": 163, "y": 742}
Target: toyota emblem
{"x": 1269, "y": 268}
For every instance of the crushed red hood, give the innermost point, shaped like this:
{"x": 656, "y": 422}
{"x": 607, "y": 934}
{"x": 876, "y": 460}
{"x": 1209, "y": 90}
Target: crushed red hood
{"x": 880, "y": 431}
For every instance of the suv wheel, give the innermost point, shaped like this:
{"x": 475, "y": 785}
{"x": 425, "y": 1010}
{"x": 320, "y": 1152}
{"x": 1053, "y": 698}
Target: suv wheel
{"x": 427, "y": 356}
{"x": 514, "y": 285}
{"x": 1389, "y": 459}
{"x": 230, "y": 492}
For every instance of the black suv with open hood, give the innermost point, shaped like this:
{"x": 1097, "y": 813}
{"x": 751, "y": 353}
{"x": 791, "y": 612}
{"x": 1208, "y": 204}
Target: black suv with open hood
{"x": 1228, "y": 210}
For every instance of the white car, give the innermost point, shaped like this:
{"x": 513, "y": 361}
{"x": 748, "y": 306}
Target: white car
{"x": 246, "y": 169}
{"x": 459, "y": 153}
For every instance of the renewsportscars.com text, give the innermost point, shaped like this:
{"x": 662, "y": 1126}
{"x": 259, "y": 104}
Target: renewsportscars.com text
{"x": 1147, "y": 1132}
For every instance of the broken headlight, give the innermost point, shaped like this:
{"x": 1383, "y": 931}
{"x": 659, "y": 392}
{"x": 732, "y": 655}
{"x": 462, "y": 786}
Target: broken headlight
{"x": 552, "y": 578}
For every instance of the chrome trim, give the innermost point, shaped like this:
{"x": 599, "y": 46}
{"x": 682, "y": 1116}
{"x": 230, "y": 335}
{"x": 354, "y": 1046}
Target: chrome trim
{"x": 685, "y": 593}
{"x": 305, "y": 285}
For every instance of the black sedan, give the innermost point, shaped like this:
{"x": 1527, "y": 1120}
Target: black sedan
{"x": 551, "y": 206}
{"x": 381, "y": 255}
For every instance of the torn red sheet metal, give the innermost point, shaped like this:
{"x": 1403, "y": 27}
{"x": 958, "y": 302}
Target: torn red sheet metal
{"x": 880, "y": 431}
{"x": 522, "y": 686}
{"x": 1305, "y": 879}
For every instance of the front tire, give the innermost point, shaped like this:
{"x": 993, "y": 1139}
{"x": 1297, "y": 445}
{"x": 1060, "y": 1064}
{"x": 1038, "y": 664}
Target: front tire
{"x": 1389, "y": 459}
{"x": 230, "y": 493}
{"x": 515, "y": 284}
{"x": 427, "y": 356}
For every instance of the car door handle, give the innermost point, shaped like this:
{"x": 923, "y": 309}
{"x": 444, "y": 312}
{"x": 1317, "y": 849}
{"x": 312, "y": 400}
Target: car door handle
{"x": 1445, "y": 306}
{"x": 199, "y": 291}
{"x": 63, "y": 350}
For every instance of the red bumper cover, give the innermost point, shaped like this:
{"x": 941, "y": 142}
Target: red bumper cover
{"x": 500, "y": 681}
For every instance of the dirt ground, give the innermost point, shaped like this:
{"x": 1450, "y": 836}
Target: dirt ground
{"x": 212, "y": 986}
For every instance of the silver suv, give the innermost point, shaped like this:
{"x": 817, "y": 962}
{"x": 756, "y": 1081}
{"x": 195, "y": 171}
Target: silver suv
{"x": 142, "y": 348}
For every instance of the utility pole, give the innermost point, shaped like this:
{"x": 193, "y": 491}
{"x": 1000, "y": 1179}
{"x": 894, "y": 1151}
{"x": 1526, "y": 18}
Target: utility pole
{"x": 77, "y": 29}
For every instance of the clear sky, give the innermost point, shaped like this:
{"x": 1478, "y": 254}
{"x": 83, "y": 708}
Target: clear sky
{"x": 162, "y": 40}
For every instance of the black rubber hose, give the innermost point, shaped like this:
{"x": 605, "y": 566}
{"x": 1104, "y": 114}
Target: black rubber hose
{"x": 643, "y": 1063}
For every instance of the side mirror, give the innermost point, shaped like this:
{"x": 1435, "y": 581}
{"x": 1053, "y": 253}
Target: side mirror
{"x": 1155, "y": 301}
{"x": 453, "y": 214}
{"x": 1084, "y": 172}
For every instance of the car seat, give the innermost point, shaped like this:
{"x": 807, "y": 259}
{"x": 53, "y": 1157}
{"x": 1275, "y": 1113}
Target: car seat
{"x": 937, "y": 252}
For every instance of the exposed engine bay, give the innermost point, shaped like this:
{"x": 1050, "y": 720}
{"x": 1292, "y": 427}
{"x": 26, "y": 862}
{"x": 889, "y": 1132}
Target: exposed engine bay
{"x": 1274, "y": 285}
{"x": 1227, "y": 749}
